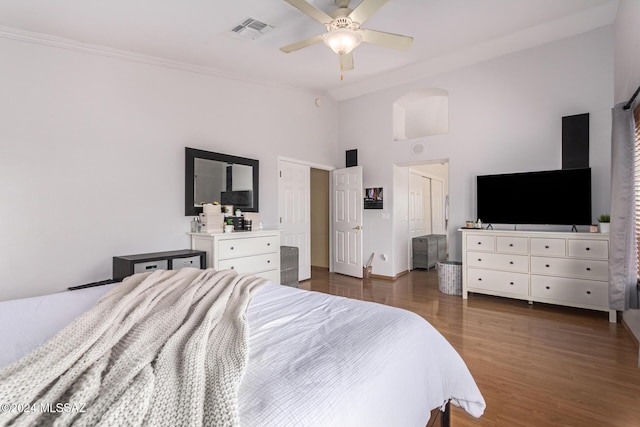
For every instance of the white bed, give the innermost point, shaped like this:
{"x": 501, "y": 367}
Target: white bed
{"x": 314, "y": 359}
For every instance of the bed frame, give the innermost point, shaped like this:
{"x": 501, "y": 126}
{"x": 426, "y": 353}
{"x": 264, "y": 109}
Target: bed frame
{"x": 440, "y": 418}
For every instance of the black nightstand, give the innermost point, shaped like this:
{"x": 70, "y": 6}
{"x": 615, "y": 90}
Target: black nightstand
{"x": 124, "y": 266}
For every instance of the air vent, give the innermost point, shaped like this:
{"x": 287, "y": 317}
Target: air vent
{"x": 252, "y": 29}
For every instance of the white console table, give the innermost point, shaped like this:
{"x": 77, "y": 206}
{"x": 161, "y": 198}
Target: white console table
{"x": 570, "y": 269}
{"x": 256, "y": 252}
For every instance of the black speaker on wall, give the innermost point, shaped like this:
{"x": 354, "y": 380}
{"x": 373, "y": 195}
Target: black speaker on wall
{"x": 352, "y": 158}
{"x": 575, "y": 141}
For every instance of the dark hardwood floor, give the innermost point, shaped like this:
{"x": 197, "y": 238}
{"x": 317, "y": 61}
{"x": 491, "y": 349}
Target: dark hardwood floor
{"x": 536, "y": 365}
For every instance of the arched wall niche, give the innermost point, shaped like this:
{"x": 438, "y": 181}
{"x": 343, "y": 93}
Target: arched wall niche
{"x": 423, "y": 112}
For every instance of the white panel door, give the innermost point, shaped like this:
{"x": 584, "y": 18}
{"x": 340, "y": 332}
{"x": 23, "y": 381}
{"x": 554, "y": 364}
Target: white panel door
{"x": 419, "y": 209}
{"x": 426, "y": 200}
{"x": 419, "y": 206}
{"x": 416, "y": 205}
{"x": 294, "y": 187}
{"x": 347, "y": 221}
{"x": 437, "y": 206}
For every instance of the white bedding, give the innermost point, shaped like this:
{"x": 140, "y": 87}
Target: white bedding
{"x": 314, "y": 359}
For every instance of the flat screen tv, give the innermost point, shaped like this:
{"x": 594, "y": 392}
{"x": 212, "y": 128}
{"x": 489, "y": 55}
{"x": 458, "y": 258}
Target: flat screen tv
{"x": 561, "y": 197}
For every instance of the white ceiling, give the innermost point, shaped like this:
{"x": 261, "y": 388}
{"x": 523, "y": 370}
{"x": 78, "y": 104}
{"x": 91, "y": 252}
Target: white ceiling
{"x": 196, "y": 33}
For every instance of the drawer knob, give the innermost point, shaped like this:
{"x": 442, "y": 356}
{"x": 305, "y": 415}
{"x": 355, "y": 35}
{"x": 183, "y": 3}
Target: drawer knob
{"x": 268, "y": 261}
{"x": 546, "y": 265}
{"x": 479, "y": 259}
{"x": 547, "y": 287}
{"x": 231, "y": 247}
{"x": 546, "y": 246}
{"x": 588, "y": 292}
{"x": 479, "y": 279}
{"x": 232, "y": 267}
{"x": 268, "y": 244}
{"x": 511, "y": 283}
{"x": 511, "y": 262}
{"x": 510, "y": 244}
{"x": 588, "y": 249}
{"x": 588, "y": 268}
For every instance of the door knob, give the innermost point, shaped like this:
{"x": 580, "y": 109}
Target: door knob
{"x": 358, "y": 227}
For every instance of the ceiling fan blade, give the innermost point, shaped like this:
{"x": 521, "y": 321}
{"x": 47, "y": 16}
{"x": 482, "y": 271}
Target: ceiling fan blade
{"x": 346, "y": 61}
{"x": 303, "y": 43}
{"x": 365, "y": 10}
{"x": 379, "y": 38}
{"x": 311, "y": 10}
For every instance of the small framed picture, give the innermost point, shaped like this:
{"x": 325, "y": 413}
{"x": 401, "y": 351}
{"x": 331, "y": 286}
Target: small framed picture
{"x": 373, "y": 198}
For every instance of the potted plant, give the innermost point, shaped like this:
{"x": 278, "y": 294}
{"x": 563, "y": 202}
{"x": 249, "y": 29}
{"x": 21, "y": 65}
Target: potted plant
{"x": 604, "y": 223}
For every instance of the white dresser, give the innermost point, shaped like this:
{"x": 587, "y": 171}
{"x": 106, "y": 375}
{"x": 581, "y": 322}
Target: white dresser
{"x": 256, "y": 252}
{"x": 569, "y": 269}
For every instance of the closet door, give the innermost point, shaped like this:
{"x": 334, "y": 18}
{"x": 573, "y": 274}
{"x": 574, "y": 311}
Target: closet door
{"x": 419, "y": 212}
{"x": 437, "y": 207}
{"x": 426, "y": 204}
{"x": 419, "y": 209}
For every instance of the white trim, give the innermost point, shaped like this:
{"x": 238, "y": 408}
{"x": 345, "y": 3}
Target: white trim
{"x": 306, "y": 163}
{"x": 424, "y": 162}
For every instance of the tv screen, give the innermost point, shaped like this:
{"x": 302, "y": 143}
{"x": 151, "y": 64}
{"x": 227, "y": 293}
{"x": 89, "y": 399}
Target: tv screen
{"x": 561, "y": 197}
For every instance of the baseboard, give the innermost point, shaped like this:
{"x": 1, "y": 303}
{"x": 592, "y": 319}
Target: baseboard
{"x": 379, "y": 276}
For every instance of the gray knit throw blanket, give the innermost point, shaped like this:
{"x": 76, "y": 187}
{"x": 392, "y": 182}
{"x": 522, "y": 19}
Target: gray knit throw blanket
{"x": 167, "y": 348}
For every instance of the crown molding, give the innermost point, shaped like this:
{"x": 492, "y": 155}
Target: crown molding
{"x": 76, "y": 46}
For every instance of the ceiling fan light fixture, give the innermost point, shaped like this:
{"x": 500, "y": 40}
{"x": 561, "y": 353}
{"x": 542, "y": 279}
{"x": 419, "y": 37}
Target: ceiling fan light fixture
{"x": 342, "y": 40}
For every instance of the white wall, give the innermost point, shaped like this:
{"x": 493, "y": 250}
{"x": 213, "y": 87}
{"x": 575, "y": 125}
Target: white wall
{"x": 505, "y": 115}
{"x": 627, "y": 46}
{"x": 92, "y": 156}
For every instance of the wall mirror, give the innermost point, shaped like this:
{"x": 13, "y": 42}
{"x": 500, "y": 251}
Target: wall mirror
{"x": 214, "y": 177}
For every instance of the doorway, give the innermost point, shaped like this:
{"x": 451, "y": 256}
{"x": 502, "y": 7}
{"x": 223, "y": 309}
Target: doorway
{"x": 303, "y": 208}
{"x": 428, "y": 200}
{"x": 319, "y": 201}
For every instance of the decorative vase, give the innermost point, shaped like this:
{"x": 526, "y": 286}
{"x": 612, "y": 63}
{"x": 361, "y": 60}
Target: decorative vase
{"x": 604, "y": 227}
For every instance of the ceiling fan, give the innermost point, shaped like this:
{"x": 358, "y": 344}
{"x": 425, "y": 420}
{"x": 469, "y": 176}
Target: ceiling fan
{"x": 343, "y": 29}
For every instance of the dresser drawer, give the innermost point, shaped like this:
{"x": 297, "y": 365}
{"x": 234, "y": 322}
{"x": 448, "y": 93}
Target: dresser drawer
{"x": 478, "y": 242}
{"x": 564, "y": 267}
{"x": 498, "y": 281}
{"x": 581, "y": 248}
{"x": 178, "y": 263}
{"x": 512, "y": 245}
{"x": 141, "y": 267}
{"x": 234, "y": 248}
{"x": 508, "y": 262}
{"x": 251, "y": 264}
{"x": 548, "y": 247}
{"x": 582, "y": 292}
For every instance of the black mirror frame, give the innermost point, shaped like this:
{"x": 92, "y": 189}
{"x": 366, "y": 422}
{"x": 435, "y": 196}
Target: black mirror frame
{"x": 191, "y": 154}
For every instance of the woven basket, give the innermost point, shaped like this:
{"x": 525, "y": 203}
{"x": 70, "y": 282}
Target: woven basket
{"x": 450, "y": 277}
